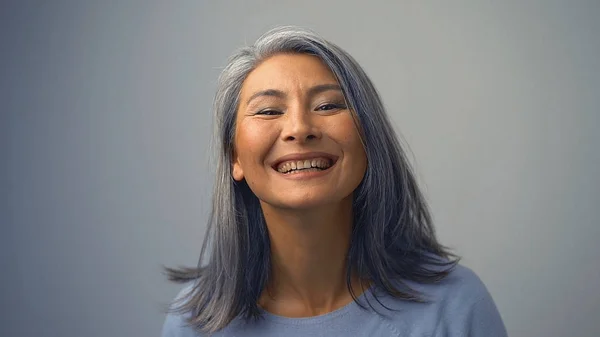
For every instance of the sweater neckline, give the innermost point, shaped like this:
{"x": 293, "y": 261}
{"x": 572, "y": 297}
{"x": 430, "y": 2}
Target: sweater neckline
{"x": 342, "y": 311}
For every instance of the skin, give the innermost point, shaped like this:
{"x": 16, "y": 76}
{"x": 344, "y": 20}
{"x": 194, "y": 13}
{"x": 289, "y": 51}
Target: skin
{"x": 309, "y": 218}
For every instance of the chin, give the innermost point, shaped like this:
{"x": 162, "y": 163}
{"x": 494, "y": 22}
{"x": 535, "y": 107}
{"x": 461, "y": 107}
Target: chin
{"x": 304, "y": 202}
{"x": 300, "y": 205}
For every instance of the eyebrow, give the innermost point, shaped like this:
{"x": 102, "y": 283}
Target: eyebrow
{"x": 317, "y": 89}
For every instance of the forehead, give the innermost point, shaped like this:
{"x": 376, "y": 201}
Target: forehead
{"x": 288, "y": 72}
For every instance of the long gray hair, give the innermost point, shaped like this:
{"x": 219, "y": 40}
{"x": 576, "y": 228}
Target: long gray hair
{"x": 392, "y": 241}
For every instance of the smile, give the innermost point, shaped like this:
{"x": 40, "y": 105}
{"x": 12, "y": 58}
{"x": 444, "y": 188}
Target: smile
{"x": 307, "y": 165}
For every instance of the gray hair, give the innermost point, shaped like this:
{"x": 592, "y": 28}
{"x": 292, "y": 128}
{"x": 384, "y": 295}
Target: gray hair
{"x": 392, "y": 239}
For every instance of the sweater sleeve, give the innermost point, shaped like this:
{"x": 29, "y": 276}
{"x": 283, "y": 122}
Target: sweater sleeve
{"x": 468, "y": 308}
{"x": 175, "y": 326}
{"x": 484, "y": 319}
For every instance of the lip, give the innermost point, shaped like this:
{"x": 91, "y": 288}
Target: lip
{"x": 304, "y": 156}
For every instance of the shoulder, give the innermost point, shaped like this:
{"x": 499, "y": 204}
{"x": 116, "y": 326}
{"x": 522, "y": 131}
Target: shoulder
{"x": 460, "y": 289}
{"x": 458, "y": 305}
{"x": 461, "y": 285}
{"x": 457, "y": 294}
{"x": 469, "y": 307}
{"x": 175, "y": 324}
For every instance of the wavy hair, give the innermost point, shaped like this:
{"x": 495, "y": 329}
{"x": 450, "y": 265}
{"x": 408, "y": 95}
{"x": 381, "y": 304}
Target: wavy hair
{"x": 393, "y": 240}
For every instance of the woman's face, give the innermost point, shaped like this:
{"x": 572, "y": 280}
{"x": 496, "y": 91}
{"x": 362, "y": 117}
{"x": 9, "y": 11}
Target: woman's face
{"x": 296, "y": 144}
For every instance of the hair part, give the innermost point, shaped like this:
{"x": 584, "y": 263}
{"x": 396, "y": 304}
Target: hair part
{"x": 393, "y": 239}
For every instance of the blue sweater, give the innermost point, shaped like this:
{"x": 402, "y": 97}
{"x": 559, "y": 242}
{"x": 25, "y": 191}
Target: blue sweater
{"x": 458, "y": 306}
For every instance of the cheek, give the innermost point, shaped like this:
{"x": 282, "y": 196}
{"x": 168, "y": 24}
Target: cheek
{"x": 359, "y": 156}
{"x": 350, "y": 141}
{"x": 347, "y": 134}
{"x": 252, "y": 144}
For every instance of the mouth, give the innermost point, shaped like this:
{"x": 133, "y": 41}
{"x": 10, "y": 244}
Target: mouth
{"x": 303, "y": 163}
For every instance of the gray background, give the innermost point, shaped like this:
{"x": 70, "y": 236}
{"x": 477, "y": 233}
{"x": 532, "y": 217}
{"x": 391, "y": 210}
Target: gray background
{"x": 105, "y": 131}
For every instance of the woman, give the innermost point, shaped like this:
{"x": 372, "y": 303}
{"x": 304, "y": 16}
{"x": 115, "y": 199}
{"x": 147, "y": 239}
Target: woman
{"x": 318, "y": 227}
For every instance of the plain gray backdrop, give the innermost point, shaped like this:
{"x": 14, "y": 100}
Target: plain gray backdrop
{"x": 105, "y": 120}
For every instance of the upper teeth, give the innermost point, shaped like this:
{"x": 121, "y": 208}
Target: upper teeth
{"x": 288, "y": 166}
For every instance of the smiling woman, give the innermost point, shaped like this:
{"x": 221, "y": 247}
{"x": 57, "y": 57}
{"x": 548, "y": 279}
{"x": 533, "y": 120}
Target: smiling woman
{"x": 296, "y": 145}
{"x": 318, "y": 226}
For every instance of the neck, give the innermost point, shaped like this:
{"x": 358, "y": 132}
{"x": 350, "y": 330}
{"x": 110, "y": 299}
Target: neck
{"x": 309, "y": 260}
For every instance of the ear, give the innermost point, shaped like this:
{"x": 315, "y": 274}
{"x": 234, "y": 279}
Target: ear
{"x": 236, "y": 168}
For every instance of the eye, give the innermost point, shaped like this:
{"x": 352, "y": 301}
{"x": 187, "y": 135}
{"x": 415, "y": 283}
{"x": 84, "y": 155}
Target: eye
{"x": 268, "y": 112}
{"x": 330, "y": 106}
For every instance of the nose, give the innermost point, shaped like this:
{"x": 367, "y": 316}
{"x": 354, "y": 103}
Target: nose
{"x": 300, "y": 126}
